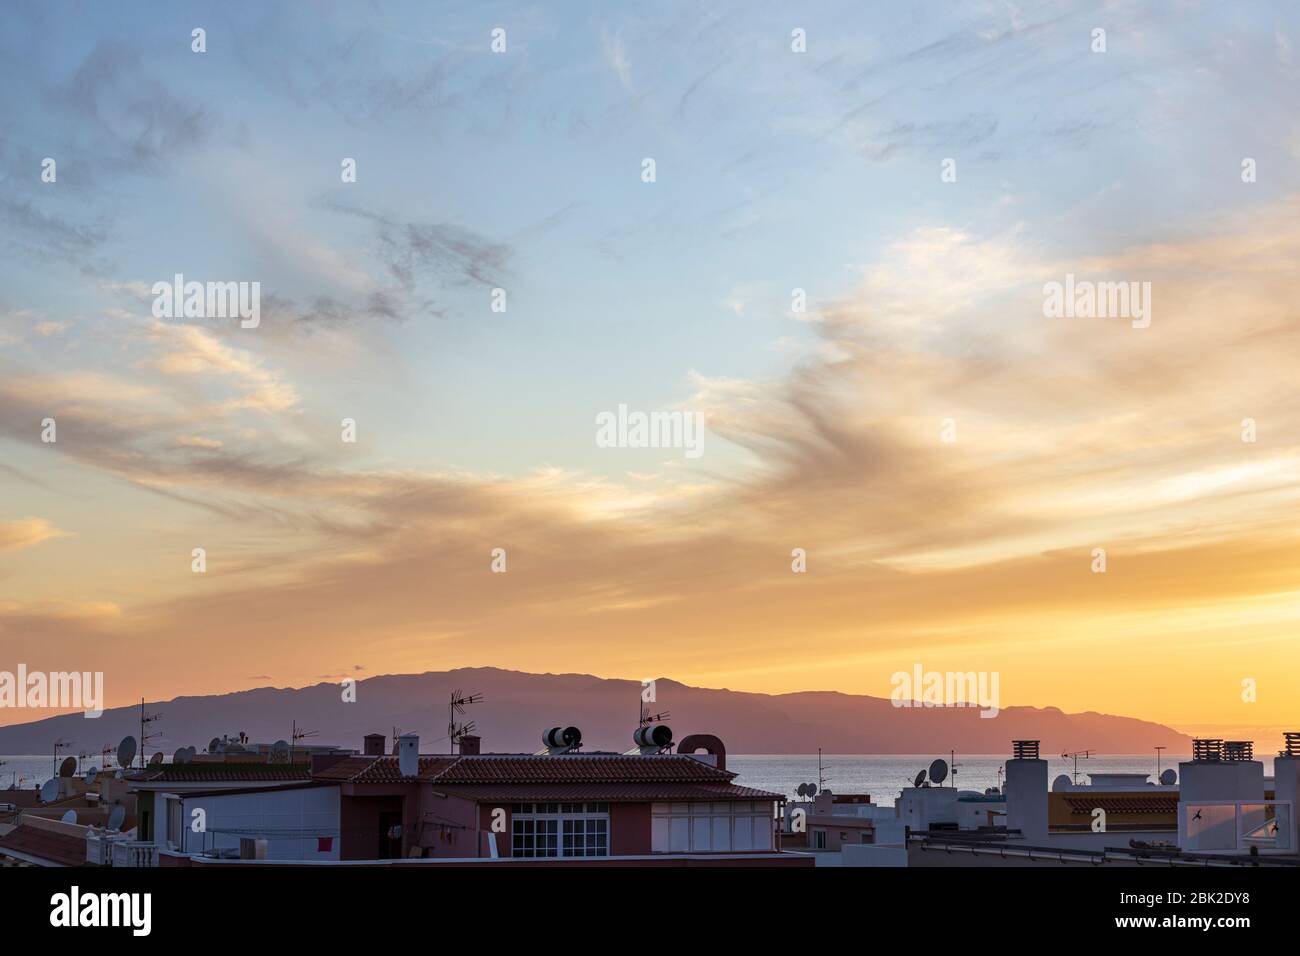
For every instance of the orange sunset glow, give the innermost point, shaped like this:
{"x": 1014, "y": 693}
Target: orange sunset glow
{"x": 950, "y": 458}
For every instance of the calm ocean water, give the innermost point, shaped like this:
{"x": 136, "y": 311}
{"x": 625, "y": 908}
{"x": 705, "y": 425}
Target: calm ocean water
{"x": 884, "y": 776}
{"x": 880, "y": 776}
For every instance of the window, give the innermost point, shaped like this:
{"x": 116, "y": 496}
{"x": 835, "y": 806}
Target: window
{"x": 715, "y": 827}
{"x": 560, "y": 830}
{"x": 175, "y": 833}
{"x": 819, "y": 839}
{"x": 533, "y": 838}
{"x": 586, "y": 837}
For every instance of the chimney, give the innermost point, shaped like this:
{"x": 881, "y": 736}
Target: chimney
{"x": 469, "y": 745}
{"x": 1026, "y": 792}
{"x": 408, "y": 754}
{"x": 373, "y": 745}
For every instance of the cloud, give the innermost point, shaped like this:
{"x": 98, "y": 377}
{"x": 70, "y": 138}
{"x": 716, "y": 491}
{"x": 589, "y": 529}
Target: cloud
{"x": 616, "y": 57}
{"x": 196, "y": 441}
{"x": 16, "y": 535}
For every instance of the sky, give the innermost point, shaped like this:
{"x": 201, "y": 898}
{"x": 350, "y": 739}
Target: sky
{"x": 948, "y": 456}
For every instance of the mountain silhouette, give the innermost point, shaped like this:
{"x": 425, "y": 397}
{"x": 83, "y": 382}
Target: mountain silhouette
{"x": 519, "y": 707}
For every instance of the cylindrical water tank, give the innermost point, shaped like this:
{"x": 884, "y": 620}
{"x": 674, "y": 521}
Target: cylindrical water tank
{"x": 562, "y": 737}
{"x": 653, "y": 735}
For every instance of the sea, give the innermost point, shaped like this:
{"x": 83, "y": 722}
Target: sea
{"x": 880, "y": 776}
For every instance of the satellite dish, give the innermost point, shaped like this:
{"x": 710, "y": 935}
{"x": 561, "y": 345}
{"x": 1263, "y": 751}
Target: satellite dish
{"x": 280, "y": 750}
{"x": 920, "y": 778}
{"x": 116, "y": 817}
{"x": 49, "y": 791}
{"x": 68, "y": 767}
{"x": 1169, "y": 777}
{"x": 214, "y": 745}
{"x": 70, "y": 816}
{"x": 126, "y": 751}
{"x": 156, "y": 759}
{"x": 812, "y": 789}
{"x": 191, "y": 753}
{"x": 801, "y": 790}
{"x": 1061, "y": 782}
{"x": 91, "y": 775}
{"x": 179, "y": 756}
{"x": 939, "y": 771}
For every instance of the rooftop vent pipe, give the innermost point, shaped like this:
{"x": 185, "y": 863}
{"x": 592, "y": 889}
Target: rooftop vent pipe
{"x": 709, "y": 744}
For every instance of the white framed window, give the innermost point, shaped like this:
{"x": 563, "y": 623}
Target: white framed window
{"x": 559, "y": 829}
{"x": 715, "y": 827}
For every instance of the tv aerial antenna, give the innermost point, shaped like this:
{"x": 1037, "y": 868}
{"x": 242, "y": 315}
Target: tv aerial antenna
{"x": 296, "y": 734}
{"x": 652, "y": 718}
{"x": 456, "y": 708}
{"x": 1085, "y": 754}
{"x": 145, "y": 736}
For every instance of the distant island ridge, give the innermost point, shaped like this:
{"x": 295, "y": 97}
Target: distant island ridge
{"x": 518, "y": 707}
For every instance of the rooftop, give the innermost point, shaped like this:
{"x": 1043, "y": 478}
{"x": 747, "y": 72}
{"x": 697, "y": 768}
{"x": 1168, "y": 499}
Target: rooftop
{"x": 220, "y": 772}
{"x": 609, "y": 777}
{"x": 34, "y": 844}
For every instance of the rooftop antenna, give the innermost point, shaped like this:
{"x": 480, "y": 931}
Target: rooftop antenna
{"x": 644, "y": 716}
{"x": 1085, "y": 754}
{"x": 145, "y": 736}
{"x": 821, "y": 777}
{"x": 953, "y": 765}
{"x": 60, "y": 744}
{"x": 456, "y": 707}
{"x": 296, "y": 735}
{"x": 1158, "y": 755}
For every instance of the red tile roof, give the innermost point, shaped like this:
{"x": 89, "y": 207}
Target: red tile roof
{"x": 583, "y": 768}
{"x": 603, "y": 792}
{"x": 566, "y": 777}
{"x": 61, "y": 849}
{"x": 215, "y": 772}
{"x": 1120, "y": 803}
{"x": 382, "y": 769}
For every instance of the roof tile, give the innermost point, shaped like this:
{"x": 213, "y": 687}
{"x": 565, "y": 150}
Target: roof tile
{"x": 519, "y": 769}
{"x": 62, "y": 849}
